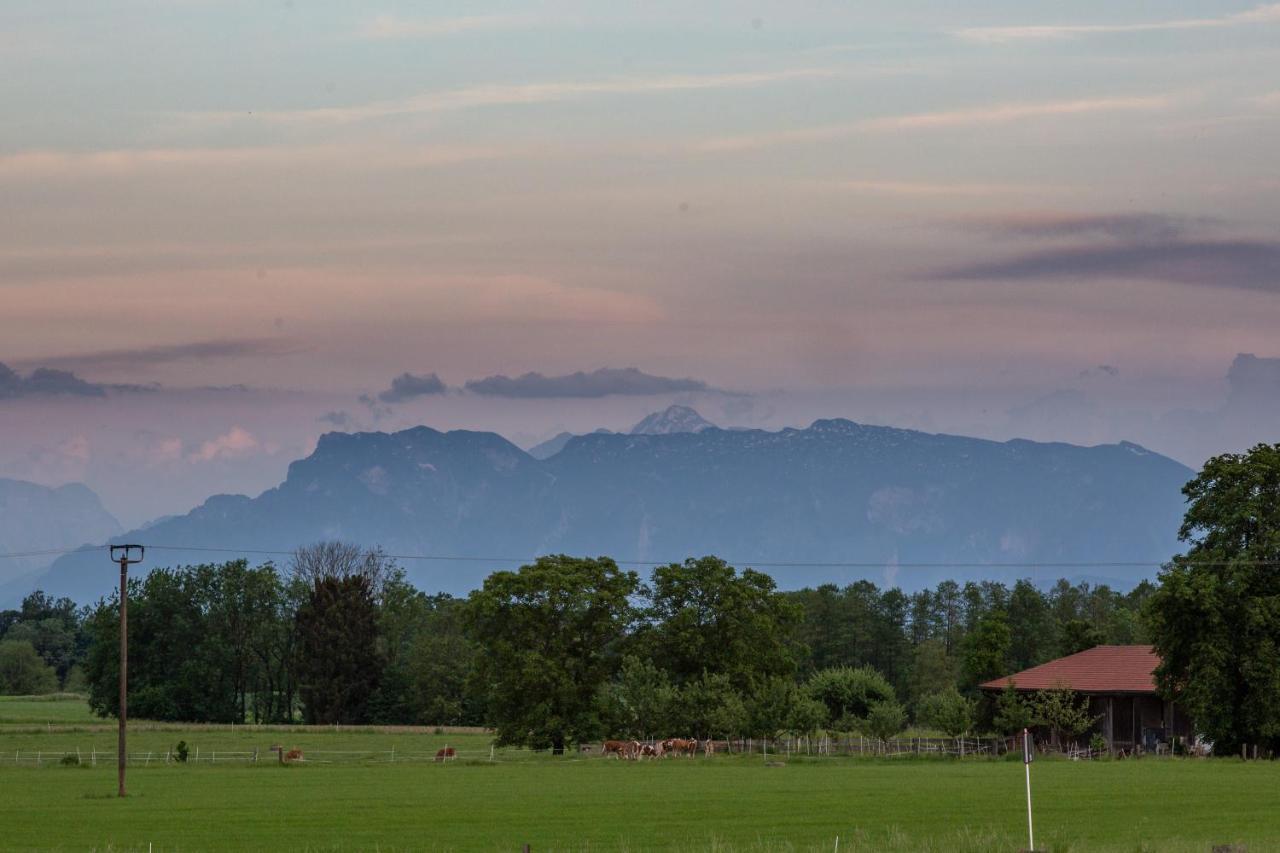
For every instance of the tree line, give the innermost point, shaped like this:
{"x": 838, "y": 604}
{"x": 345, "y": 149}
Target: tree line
{"x": 563, "y": 648}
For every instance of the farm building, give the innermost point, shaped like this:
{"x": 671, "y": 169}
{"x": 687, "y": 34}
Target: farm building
{"x": 1120, "y": 685}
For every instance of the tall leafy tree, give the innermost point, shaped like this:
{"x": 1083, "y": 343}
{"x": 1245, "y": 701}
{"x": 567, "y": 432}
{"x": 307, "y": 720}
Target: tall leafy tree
{"x": 439, "y": 662}
{"x": 705, "y": 616}
{"x": 985, "y": 650}
{"x": 1215, "y": 618}
{"x": 549, "y": 636}
{"x": 1031, "y": 628}
{"x": 178, "y": 669}
{"x": 338, "y": 663}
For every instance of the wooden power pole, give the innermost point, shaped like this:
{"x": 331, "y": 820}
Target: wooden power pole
{"x": 123, "y": 554}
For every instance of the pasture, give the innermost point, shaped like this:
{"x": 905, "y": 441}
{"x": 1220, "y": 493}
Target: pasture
{"x": 350, "y": 795}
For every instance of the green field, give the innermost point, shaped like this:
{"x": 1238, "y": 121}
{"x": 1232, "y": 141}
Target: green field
{"x": 58, "y": 709}
{"x": 350, "y": 795}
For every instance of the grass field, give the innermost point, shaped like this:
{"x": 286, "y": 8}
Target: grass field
{"x": 367, "y": 802}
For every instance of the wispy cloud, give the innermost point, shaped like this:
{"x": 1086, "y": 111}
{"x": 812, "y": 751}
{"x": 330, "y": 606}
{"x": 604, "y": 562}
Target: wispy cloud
{"x": 927, "y": 188}
{"x": 40, "y": 164}
{"x": 507, "y": 94}
{"x": 1142, "y": 245}
{"x": 1264, "y": 14}
{"x": 169, "y": 353}
{"x": 970, "y": 116}
{"x": 393, "y": 27}
{"x": 1136, "y": 227}
{"x": 1241, "y": 264}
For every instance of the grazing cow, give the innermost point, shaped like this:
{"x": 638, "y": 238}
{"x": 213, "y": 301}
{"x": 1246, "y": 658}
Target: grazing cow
{"x": 446, "y": 754}
{"x": 294, "y": 754}
{"x": 649, "y": 750}
{"x": 687, "y": 746}
{"x": 616, "y": 748}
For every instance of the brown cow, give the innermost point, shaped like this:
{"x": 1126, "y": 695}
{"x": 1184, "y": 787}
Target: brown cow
{"x": 688, "y": 746}
{"x": 294, "y": 754}
{"x": 446, "y": 754}
{"x": 616, "y": 748}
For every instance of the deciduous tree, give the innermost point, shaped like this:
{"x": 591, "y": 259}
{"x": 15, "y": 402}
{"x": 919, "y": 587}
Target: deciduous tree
{"x": 549, "y": 636}
{"x": 1215, "y": 619}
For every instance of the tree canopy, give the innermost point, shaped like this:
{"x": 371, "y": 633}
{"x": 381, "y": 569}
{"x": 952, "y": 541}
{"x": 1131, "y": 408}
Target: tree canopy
{"x": 551, "y": 635}
{"x": 1215, "y": 619}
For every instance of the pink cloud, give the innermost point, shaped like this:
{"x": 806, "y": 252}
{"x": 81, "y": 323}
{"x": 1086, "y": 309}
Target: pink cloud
{"x": 235, "y": 442}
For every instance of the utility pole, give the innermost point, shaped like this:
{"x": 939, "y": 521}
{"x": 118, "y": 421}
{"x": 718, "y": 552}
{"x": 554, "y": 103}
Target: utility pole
{"x": 123, "y": 554}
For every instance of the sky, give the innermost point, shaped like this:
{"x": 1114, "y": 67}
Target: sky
{"x": 227, "y": 227}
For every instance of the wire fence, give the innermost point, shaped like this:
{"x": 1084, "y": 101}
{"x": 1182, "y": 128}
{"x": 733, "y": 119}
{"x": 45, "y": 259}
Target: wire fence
{"x": 789, "y": 747}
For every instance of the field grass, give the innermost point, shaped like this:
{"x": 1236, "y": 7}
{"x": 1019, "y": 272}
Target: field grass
{"x": 348, "y": 795}
{"x": 57, "y": 709}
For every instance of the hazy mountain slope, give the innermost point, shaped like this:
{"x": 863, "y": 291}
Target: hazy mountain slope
{"x": 553, "y": 445}
{"x": 39, "y": 518}
{"x": 835, "y": 492}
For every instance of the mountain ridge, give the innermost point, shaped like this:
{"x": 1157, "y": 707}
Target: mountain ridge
{"x": 834, "y": 492}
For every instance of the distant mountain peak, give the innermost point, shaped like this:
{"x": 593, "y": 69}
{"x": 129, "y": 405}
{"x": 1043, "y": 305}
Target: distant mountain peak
{"x": 673, "y": 419}
{"x": 556, "y": 443}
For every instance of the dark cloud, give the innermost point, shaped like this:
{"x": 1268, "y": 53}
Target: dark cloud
{"x": 45, "y": 381}
{"x": 1245, "y": 264}
{"x": 340, "y": 419}
{"x": 1100, "y": 370}
{"x": 406, "y": 386}
{"x": 1125, "y": 227}
{"x": 1253, "y": 383}
{"x": 600, "y": 383}
{"x": 168, "y": 353}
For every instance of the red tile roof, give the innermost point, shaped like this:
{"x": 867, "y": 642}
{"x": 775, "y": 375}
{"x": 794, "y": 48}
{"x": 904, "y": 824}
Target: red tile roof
{"x": 1102, "y": 669}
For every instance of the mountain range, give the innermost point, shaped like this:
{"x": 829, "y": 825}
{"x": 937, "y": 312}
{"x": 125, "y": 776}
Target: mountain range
{"x": 36, "y": 520}
{"x": 905, "y": 507}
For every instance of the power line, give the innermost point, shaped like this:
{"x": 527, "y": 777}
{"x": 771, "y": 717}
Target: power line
{"x": 51, "y": 552}
{"x": 770, "y": 564}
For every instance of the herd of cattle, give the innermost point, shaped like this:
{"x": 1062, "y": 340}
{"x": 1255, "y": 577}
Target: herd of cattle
{"x": 634, "y": 750}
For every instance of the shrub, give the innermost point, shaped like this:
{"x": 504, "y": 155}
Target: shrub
{"x": 1013, "y": 714}
{"x": 180, "y": 752}
{"x": 848, "y": 693}
{"x": 885, "y": 719}
{"x": 23, "y": 672}
{"x": 948, "y": 711}
{"x": 70, "y": 761}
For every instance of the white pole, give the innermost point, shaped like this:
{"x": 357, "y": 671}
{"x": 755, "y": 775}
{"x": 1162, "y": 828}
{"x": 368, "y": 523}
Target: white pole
{"x": 1026, "y": 763}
